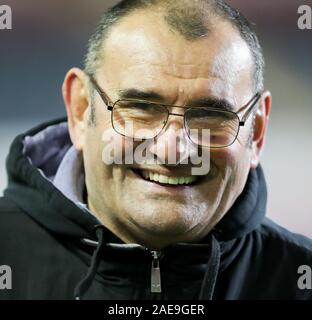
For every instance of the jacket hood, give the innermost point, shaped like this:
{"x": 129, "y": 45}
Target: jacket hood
{"x": 36, "y": 161}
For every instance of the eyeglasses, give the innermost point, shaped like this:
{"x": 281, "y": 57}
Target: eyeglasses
{"x": 205, "y": 126}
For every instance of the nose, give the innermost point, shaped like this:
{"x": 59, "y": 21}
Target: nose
{"x": 172, "y": 146}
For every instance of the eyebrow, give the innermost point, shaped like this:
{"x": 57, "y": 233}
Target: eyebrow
{"x": 141, "y": 95}
{"x": 152, "y": 96}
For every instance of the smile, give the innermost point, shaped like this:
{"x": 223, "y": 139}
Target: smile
{"x": 166, "y": 180}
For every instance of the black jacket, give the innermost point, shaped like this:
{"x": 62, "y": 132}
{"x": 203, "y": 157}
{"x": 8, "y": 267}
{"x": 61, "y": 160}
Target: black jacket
{"x": 57, "y": 249}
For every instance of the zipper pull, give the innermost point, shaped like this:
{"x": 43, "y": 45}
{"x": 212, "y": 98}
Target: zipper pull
{"x": 155, "y": 274}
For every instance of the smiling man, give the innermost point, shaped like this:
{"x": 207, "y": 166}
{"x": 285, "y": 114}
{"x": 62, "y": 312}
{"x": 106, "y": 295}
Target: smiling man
{"x": 178, "y": 80}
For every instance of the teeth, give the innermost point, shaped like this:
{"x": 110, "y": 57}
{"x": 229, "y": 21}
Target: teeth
{"x": 173, "y": 180}
{"x": 162, "y": 179}
{"x": 168, "y": 180}
{"x": 154, "y": 176}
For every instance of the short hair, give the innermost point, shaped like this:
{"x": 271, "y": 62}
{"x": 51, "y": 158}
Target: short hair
{"x": 190, "y": 18}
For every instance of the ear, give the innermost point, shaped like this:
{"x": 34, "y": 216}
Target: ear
{"x": 76, "y": 98}
{"x": 260, "y": 128}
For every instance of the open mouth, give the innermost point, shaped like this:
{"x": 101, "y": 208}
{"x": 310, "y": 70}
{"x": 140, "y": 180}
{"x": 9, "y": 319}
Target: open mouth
{"x": 167, "y": 180}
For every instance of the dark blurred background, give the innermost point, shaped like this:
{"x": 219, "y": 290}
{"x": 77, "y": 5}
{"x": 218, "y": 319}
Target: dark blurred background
{"x": 49, "y": 37}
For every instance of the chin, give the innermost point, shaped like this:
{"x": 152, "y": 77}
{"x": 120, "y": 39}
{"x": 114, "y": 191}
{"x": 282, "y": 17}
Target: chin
{"x": 166, "y": 221}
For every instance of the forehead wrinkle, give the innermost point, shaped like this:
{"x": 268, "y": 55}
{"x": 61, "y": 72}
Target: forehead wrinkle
{"x": 181, "y": 88}
{"x": 195, "y": 77}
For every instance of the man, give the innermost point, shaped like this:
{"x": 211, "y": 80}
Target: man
{"x": 158, "y": 74}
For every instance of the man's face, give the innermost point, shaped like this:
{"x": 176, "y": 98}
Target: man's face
{"x": 142, "y": 54}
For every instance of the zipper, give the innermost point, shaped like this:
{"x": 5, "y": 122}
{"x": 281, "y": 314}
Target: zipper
{"x": 155, "y": 273}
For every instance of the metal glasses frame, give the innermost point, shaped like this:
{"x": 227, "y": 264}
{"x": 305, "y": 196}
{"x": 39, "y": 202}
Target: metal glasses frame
{"x": 250, "y": 105}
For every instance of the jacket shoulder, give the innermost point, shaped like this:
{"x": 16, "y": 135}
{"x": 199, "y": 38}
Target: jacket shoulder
{"x": 14, "y": 218}
{"x": 8, "y": 206}
{"x": 278, "y": 236}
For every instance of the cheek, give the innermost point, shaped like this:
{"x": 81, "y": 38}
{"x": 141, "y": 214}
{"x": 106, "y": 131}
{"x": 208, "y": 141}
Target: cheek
{"x": 224, "y": 157}
{"x": 97, "y": 152}
{"x": 233, "y": 158}
{"x": 116, "y": 156}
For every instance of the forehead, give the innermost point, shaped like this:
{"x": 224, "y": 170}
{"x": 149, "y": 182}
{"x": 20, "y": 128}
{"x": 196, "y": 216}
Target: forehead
{"x": 143, "y": 52}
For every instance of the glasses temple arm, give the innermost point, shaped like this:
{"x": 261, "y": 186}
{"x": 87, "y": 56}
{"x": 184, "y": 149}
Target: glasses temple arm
{"x": 103, "y": 95}
{"x": 251, "y": 108}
